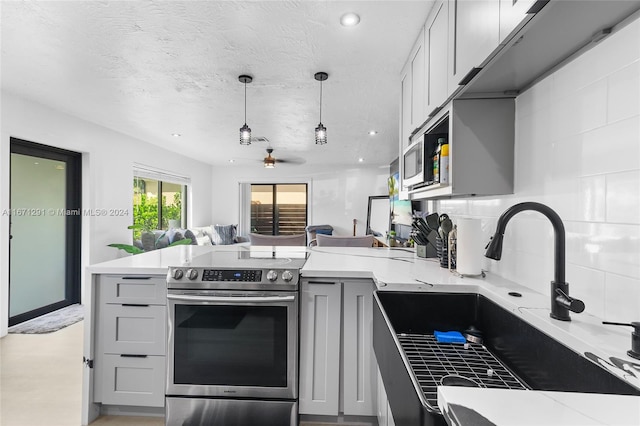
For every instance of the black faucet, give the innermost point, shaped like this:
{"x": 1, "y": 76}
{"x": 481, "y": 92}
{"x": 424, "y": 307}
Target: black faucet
{"x": 561, "y": 303}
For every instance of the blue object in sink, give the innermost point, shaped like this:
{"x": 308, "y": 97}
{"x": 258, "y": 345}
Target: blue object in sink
{"x": 449, "y": 337}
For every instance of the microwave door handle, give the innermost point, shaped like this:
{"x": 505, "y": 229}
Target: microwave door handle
{"x": 252, "y": 299}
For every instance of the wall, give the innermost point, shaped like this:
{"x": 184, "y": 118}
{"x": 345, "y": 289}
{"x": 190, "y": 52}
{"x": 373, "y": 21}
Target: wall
{"x": 578, "y": 151}
{"x": 108, "y": 159}
{"x": 336, "y": 197}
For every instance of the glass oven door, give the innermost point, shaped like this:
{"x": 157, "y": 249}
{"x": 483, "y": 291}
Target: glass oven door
{"x": 234, "y": 344}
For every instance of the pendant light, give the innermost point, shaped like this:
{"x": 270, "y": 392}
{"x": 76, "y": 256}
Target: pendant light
{"x": 321, "y": 131}
{"x": 245, "y": 131}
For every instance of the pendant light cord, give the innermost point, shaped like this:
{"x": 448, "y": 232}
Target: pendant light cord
{"x": 245, "y": 102}
{"x": 320, "y": 101}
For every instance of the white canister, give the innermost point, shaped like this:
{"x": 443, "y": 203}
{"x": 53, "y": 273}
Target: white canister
{"x": 469, "y": 246}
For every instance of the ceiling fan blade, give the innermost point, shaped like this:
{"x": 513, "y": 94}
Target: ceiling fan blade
{"x": 291, "y": 160}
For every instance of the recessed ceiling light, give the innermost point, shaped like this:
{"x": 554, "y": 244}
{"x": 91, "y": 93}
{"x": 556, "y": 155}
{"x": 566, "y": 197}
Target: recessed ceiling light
{"x": 360, "y": 160}
{"x": 232, "y": 160}
{"x": 349, "y": 19}
{"x": 372, "y": 132}
{"x": 176, "y": 135}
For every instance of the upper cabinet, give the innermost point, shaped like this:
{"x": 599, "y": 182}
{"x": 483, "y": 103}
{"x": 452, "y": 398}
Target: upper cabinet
{"x": 480, "y": 134}
{"x": 486, "y": 49}
{"x": 436, "y": 41}
{"x": 412, "y": 103}
{"x": 474, "y": 27}
{"x": 513, "y": 14}
{"x": 405, "y": 108}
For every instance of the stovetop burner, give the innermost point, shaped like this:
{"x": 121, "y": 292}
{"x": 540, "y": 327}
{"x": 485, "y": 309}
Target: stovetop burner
{"x": 252, "y": 268}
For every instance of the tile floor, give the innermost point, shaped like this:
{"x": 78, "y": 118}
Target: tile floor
{"x": 41, "y": 382}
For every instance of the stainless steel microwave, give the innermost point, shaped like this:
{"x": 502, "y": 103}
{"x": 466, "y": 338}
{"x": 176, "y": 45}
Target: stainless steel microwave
{"x": 413, "y": 165}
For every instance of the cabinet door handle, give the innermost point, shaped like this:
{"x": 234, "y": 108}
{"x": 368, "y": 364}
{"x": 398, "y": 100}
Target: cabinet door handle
{"x": 133, "y": 356}
{"x": 467, "y": 78}
{"x": 136, "y": 305}
{"x": 435, "y": 111}
{"x": 323, "y": 282}
{"x": 537, "y": 6}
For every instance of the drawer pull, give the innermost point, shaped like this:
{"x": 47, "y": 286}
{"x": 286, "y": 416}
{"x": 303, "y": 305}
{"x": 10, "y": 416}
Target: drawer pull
{"x": 136, "y": 278}
{"x": 139, "y": 305}
{"x": 133, "y": 356}
{"x": 322, "y": 282}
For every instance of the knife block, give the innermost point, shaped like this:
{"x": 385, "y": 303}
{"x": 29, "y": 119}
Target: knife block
{"x": 426, "y": 251}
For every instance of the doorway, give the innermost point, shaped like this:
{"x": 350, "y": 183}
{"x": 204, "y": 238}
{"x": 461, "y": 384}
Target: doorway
{"x": 279, "y": 209}
{"x": 44, "y": 230}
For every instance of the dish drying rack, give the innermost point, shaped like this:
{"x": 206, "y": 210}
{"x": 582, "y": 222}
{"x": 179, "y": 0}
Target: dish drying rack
{"x": 431, "y": 361}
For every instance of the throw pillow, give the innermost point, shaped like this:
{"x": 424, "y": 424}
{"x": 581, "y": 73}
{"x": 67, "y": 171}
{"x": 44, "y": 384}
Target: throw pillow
{"x": 203, "y": 241}
{"x": 177, "y": 236}
{"x": 148, "y": 240}
{"x": 224, "y": 234}
{"x": 189, "y": 234}
{"x": 162, "y": 241}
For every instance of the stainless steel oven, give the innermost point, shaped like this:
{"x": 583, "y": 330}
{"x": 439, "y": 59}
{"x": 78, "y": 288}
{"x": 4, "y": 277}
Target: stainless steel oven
{"x": 233, "y": 339}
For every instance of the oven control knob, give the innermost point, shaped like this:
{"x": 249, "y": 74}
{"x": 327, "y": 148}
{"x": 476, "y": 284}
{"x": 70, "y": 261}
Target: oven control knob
{"x": 272, "y": 275}
{"x": 178, "y": 274}
{"x": 192, "y": 274}
{"x": 287, "y": 276}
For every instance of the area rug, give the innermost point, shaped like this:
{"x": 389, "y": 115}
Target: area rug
{"x": 50, "y": 322}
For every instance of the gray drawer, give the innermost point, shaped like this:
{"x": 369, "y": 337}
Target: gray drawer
{"x": 148, "y": 290}
{"x": 137, "y": 381}
{"x": 138, "y": 330}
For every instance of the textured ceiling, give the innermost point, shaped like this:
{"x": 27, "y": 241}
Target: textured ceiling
{"x": 150, "y": 69}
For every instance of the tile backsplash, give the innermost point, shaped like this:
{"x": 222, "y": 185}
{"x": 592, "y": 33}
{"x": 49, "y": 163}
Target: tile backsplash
{"x": 577, "y": 151}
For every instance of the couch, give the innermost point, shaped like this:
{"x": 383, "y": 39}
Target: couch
{"x": 199, "y": 235}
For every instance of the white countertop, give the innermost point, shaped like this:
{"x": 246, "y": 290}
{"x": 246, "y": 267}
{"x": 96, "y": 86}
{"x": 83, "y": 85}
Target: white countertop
{"x": 502, "y": 407}
{"x": 398, "y": 269}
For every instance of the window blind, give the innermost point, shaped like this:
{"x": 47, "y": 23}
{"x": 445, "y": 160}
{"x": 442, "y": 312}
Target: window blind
{"x": 148, "y": 172}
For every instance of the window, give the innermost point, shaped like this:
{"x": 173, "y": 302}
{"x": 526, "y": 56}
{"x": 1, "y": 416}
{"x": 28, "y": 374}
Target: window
{"x": 159, "y": 201}
{"x": 278, "y": 209}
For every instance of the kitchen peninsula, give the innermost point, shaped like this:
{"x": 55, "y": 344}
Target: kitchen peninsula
{"x": 369, "y": 269}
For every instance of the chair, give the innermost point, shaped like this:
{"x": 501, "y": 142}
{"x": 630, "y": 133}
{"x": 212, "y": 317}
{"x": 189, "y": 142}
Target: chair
{"x": 335, "y": 241}
{"x": 277, "y": 240}
{"x": 312, "y": 230}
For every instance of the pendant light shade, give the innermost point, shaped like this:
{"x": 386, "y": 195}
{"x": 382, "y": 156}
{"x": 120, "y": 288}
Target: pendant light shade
{"x": 321, "y": 131}
{"x": 245, "y": 131}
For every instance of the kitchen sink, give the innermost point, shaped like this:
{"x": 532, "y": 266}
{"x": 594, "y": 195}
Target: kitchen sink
{"x": 512, "y": 354}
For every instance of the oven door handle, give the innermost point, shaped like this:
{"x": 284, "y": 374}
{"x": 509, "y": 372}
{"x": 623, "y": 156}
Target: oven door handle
{"x": 253, "y": 299}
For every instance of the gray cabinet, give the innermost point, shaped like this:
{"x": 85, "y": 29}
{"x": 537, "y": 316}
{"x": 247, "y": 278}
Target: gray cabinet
{"x": 436, "y": 36}
{"x": 474, "y": 35}
{"x": 337, "y": 365}
{"x": 481, "y": 136}
{"x": 412, "y": 91}
{"x": 405, "y": 107}
{"x": 139, "y": 330}
{"x": 513, "y": 14}
{"x": 320, "y": 307}
{"x": 130, "y": 340}
{"x": 133, "y": 380}
{"x": 358, "y": 362}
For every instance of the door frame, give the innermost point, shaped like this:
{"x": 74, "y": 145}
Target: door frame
{"x": 73, "y": 241}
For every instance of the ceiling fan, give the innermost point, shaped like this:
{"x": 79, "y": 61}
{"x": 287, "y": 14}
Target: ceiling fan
{"x": 270, "y": 161}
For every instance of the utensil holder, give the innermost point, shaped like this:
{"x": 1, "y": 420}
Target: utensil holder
{"x": 441, "y": 250}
